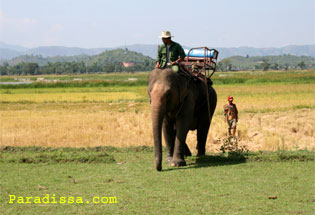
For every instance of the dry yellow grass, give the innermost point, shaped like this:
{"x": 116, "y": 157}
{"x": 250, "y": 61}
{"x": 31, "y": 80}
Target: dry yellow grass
{"x": 90, "y": 126}
{"x": 93, "y": 125}
{"x": 68, "y": 97}
{"x": 271, "y": 117}
{"x": 289, "y": 130}
{"x": 251, "y": 98}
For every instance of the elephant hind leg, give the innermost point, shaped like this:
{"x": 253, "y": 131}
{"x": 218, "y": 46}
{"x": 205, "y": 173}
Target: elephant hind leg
{"x": 202, "y": 133}
{"x": 169, "y": 137}
{"x": 180, "y": 145}
{"x": 186, "y": 150}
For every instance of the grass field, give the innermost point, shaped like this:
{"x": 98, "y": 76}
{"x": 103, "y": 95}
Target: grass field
{"x": 277, "y": 113}
{"x": 208, "y": 185}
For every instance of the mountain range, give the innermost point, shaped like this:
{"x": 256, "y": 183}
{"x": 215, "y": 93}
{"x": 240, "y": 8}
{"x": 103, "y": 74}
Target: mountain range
{"x": 8, "y": 51}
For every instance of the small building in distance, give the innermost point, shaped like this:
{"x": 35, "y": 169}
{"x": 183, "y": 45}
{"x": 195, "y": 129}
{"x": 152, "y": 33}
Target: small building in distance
{"x": 128, "y": 64}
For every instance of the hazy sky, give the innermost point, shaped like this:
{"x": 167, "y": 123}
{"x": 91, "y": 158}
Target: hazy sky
{"x": 102, "y": 23}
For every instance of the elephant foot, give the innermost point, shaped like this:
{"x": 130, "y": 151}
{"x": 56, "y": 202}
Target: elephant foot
{"x": 178, "y": 162}
{"x": 187, "y": 153}
{"x": 200, "y": 154}
{"x": 169, "y": 158}
{"x": 158, "y": 167}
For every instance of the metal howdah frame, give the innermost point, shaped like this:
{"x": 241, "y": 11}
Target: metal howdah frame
{"x": 207, "y": 63}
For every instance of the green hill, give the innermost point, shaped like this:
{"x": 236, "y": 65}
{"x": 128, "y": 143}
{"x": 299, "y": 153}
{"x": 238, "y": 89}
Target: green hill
{"x": 108, "y": 61}
{"x": 107, "y": 57}
{"x": 118, "y": 56}
{"x": 42, "y": 61}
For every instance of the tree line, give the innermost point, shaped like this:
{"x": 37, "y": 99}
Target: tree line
{"x": 59, "y": 68}
{"x": 112, "y": 61}
{"x": 265, "y": 63}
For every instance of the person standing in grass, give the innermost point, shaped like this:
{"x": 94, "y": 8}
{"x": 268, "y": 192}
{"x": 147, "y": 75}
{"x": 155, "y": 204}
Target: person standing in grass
{"x": 231, "y": 115}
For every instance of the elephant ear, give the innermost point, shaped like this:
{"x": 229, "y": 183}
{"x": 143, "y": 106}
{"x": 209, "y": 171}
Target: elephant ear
{"x": 182, "y": 88}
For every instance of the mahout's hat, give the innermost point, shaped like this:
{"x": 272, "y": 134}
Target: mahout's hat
{"x": 166, "y": 34}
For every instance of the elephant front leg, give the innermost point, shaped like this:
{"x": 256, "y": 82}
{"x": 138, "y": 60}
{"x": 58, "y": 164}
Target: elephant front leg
{"x": 169, "y": 137}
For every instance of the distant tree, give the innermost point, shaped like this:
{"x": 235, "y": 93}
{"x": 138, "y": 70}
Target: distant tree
{"x": 275, "y": 66}
{"x": 257, "y": 67}
{"x": 30, "y": 68}
{"x": 265, "y": 65}
{"x": 219, "y": 67}
{"x": 225, "y": 65}
{"x": 301, "y": 65}
{"x": 230, "y": 67}
{"x": 3, "y": 70}
{"x": 6, "y": 64}
{"x": 146, "y": 63}
{"x": 109, "y": 68}
{"x": 247, "y": 56}
{"x": 118, "y": 68}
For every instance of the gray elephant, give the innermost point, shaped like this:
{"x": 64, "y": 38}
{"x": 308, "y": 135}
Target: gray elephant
{"x": 178, "y": 104}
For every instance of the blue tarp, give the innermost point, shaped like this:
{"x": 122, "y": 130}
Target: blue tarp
{"x": 199, "y": 53}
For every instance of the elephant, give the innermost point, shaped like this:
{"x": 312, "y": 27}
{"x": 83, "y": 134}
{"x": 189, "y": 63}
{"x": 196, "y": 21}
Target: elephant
{"x": 179, "y": 104}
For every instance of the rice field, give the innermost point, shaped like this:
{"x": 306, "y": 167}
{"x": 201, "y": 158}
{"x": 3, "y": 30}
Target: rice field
{"x": 272, "y": 116}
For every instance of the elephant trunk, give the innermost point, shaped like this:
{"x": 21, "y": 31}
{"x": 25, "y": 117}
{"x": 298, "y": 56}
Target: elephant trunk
{"x": 157, "y": 112}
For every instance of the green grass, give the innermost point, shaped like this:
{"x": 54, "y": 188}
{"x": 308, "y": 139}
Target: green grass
{"x": 256, "y": 77}
{"x": 264, "y": 183}
{"x": 110, "y": 76}
{"x": 54, "y": 155}
{"x": 94, "y": 83}
{"x": 73, "y": 90}
{"x": 141, "y": 79}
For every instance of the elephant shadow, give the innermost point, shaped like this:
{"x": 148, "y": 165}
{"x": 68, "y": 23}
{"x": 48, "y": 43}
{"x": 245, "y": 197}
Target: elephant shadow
{"x": 217, "y": 160}
{"x": 211, "y": 161}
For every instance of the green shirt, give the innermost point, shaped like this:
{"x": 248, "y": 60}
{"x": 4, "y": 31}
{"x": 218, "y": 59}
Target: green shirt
{"x": 175, "y": 51}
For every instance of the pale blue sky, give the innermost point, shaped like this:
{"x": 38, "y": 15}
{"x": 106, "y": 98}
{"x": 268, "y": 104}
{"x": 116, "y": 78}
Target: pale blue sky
{"x": 213, "y": 23}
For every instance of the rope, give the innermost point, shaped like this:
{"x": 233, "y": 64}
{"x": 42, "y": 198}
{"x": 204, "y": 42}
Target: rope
{"x": 208, "y": 101}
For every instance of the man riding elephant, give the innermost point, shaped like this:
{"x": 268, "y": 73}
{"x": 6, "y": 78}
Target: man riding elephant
{"x": 169, "y": 53}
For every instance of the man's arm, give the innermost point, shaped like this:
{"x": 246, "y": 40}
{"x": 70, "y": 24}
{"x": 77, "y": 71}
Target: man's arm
{"x": 181, "y": 54}
{"x": 236, "y": 113}
{"x": 225, "y": 112}
{"x": 158, "y": 58}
